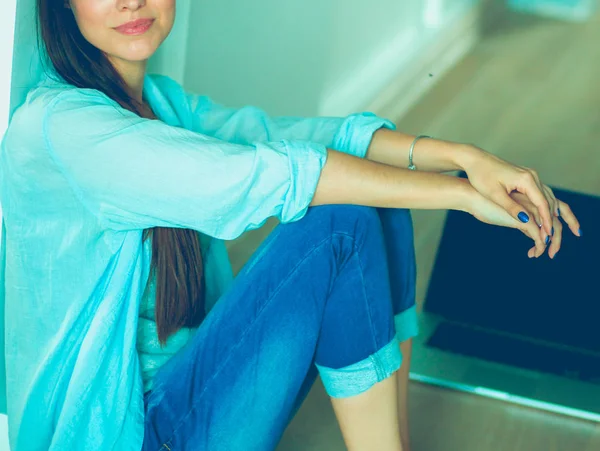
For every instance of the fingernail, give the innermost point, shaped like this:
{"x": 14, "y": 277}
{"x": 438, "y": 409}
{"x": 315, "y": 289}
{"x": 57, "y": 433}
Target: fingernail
{"x": 552, "y": 231}
{"x": 547, "y": 239}
{"x": 523, "y": 217}
{"x": 579, "y": 232}
{"x": 558, "y": 211}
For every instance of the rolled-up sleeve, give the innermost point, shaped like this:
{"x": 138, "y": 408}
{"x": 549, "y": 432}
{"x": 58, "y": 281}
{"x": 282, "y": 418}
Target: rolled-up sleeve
{"x": 135, "y": 173}
{"x": 249, "y": 124}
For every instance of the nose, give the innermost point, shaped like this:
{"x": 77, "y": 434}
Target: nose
{"x": 131, "y": 5}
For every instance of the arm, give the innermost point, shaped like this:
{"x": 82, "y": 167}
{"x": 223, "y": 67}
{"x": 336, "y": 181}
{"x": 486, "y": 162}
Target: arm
{"x": 391, "y": 147}
{"x": 349, "y": 180}
{"x": 495, "y": 179}
{"x": 363, "y": 135}
{"x": 135, "y": 173}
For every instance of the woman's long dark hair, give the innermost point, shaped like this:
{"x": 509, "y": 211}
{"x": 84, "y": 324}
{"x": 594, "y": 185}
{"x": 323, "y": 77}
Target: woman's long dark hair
{"x": 176, "y": 254}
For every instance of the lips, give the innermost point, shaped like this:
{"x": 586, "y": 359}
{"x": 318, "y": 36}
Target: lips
{"x": 136, "y": 27}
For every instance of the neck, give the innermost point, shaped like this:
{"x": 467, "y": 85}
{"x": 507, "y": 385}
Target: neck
{"x": 133, "y": 74}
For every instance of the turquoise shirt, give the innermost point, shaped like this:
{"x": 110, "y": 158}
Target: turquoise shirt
{"x": 80, "y": 180}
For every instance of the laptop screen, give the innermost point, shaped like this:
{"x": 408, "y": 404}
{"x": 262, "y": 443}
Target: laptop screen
{"x": 482, "y": 277}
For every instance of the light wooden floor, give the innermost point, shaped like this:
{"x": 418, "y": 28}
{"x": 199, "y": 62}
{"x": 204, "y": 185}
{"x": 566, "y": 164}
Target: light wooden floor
{"x": 530, "y": 92}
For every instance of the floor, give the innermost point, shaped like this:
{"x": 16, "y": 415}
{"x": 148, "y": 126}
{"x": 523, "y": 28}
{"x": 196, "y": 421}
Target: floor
{"x": 528, "y": 92}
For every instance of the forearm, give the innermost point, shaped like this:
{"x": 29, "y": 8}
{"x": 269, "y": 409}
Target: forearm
{"x": 350, "y": 180}
{"x": 432, "y": 155}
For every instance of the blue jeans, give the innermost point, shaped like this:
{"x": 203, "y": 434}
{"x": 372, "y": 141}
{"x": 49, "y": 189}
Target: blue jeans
{"x": 319, "y": 296}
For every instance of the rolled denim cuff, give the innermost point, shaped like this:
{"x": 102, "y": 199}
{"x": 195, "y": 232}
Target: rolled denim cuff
{"x": 407, "y": 324}
{"x": 359, "y": 377}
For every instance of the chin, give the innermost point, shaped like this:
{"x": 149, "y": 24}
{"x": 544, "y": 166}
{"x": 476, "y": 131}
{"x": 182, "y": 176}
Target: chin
{"x": 138, "y": 53}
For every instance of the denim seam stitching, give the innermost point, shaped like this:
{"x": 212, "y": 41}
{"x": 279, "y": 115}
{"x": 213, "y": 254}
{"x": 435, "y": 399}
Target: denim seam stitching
{"x": 267, "y": 303}
{"x": 374, "y": 363}
{"x": 368, "y": 305}
{"x": 377, "y": 366}
{"x": 365, "y": 299}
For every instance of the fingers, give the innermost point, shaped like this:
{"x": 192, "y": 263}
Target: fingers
{"x": 529, "y": 186}
{"x": 551, "y": 200}
{"x": 559, "y": 210}
{"x": 519, "y": 210}
{"x": 537, "y": 250}
{"x": 567, "y": 215}
{"x": 546, "y": 191}
{"x": 555, "y": 241}
{"x": 556, "y": 238}
{"x": 523, "y": 201}
{"x": 533, "y": 231}
{"x": 529, "y": 221}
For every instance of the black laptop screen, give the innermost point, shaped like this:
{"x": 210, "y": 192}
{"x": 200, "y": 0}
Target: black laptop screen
{"x": 482, "y": 277}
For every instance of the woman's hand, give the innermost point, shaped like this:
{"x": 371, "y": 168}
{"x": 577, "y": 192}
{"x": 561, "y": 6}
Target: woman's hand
{"x": 497, "y": 179}
{"x": 489, "y": 212}
{"x": 557, "y": 227}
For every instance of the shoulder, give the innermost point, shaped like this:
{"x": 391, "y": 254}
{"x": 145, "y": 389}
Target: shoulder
{"x": 54, "y": 111}
{"x": 49, "y": 99}
{"x": 26, "y": 124}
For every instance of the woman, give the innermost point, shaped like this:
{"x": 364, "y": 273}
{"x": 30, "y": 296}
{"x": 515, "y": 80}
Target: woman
{"x": 117, "y": 190}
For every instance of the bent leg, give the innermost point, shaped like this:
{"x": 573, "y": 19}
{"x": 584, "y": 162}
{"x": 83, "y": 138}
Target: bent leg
{"x": 398, "y": 234}
{"x": 235, "y": 385}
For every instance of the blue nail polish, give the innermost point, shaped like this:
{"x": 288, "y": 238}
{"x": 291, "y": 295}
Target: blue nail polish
{"x": 552, "y": 231}
{"x": 523, "y": 217}
{"x": 558, "y": 211}
{"x": 547, "y": 239}
{"x": 580, "y": 234}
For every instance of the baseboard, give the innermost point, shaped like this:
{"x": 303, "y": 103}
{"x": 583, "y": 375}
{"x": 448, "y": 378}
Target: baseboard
{"x": 394, "y": 80}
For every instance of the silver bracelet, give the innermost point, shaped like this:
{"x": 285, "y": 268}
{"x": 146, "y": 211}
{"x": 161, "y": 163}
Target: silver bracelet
{"x": 411, "y": 165}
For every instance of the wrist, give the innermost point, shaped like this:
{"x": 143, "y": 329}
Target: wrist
{"x": 465, "y": 195}
{"x": 464, "y": 156}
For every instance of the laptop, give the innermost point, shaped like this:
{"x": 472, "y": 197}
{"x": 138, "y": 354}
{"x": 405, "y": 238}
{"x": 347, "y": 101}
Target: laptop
{"x": 498, "y": 324}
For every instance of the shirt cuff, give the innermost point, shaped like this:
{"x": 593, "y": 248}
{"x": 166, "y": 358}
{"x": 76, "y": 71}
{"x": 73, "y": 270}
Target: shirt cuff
{"x": 356, "y": 132}
{"x": 306, "y": 161}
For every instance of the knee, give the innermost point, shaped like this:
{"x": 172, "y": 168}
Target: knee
{"x": 397, "y": 223}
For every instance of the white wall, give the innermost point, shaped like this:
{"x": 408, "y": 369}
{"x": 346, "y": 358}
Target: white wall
{"x": 303, "y": 57}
